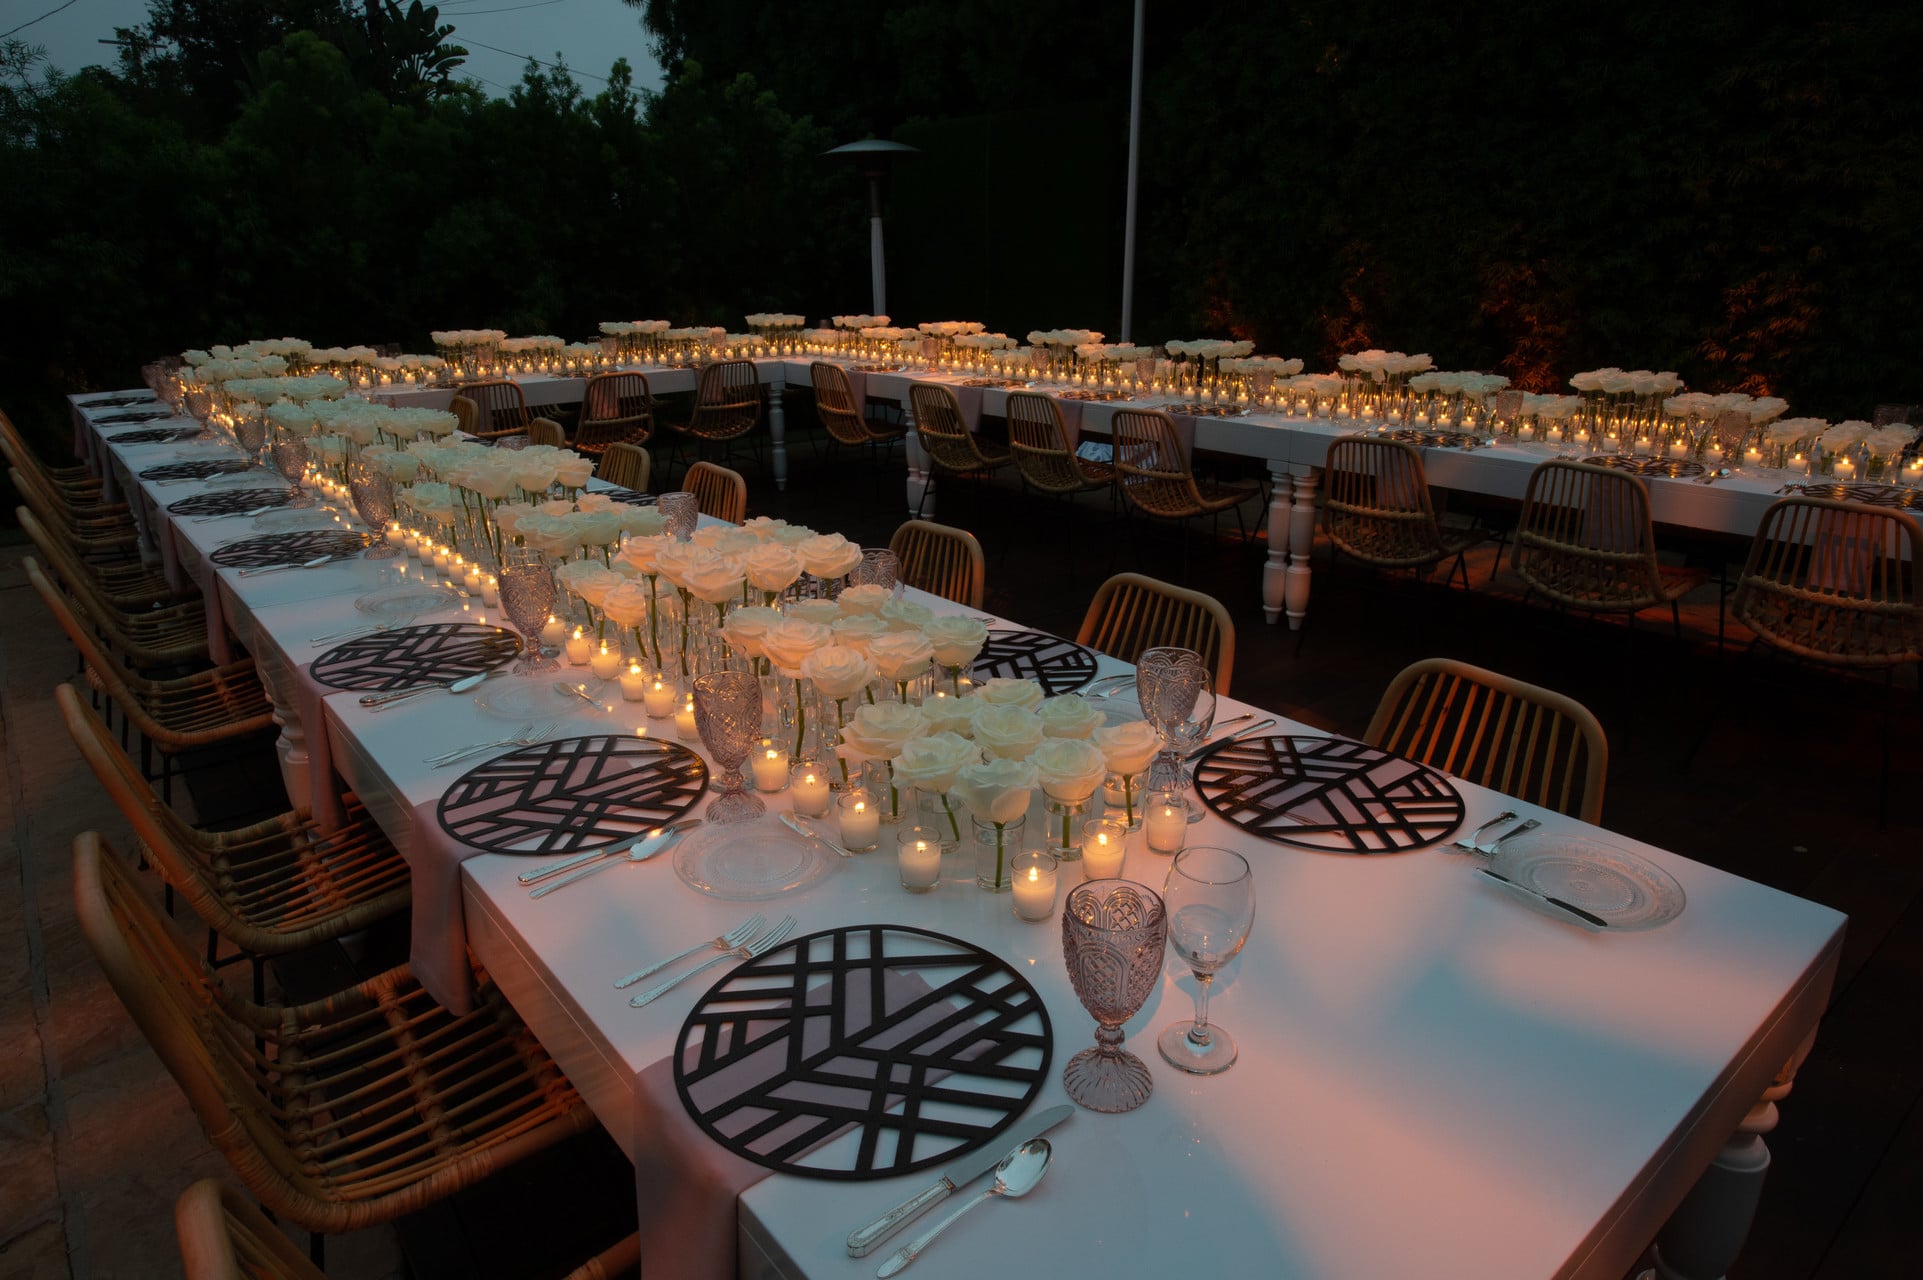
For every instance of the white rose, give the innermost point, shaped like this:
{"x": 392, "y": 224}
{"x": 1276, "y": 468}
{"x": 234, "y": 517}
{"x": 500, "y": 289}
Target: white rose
{"x": 1007, "y": 731}
{"x": 746, "y": 626}
{"x": 951, "y": 715}
{"x": 640, "y": 553}
{"x": 828, "y": 555}
{"x": 626, "y": 604}
{"x": 1127, "y": 748}
{"x": 860, "y": 630}
{"x": 716, "y": 580}
{"x": 641, "y": 522}
{"x": 1004, "y": 692}
{"x": 826, "y": 612}
{"x": 957, "y": 640}
{"x": 1068, "y": 768}
{"x": 900, "y": 655}
{"x": 573, "y": 471}
{"x": 997, "y": 791}
{"x": 906, "y": 615}
{"x": 879, "y": 731}
{"x": 788, "y": 643}
{"x": 1069, "y": 716}
{"x": 867, "y": 598}
{"x": 837, "y": 670}
{"x": 935, "y": 762}
{"x": 772, "y": 568}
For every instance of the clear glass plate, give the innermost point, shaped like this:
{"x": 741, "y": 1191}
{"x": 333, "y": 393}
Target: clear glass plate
{"x": 1626, "y": 889}
{"x": 750, "y": 861}
{"x": 287, "y": 521}
{"x": 524, "y": 698}
{"x": 401, "y": 605}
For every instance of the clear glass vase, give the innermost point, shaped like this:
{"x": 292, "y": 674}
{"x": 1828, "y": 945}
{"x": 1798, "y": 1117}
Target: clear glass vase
{"x": 995, "y": 844}
{"x": 1123, "y": 796}
{"x": 892, "y": 801}
{"x": 935, "y": 811}
{"x": 1064, "y": 825}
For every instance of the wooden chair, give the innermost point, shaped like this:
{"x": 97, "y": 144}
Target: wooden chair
{"x": 546, "y": 431}
{"x": 627, "y": 465}
{"x": 951, "y": 447}
{"x": 1497, "y": 732}
{"x": 941, "y": 560}
{"x": 342, "y": 1113}
{"x": 1376, "y": 507}
{"x": 727, "y": 405}
{"x": 1131, "y": 613}
{"x": 271, "y": 889}
{"x": 616, "y": 408}
{"x": 1039, "y": 439}
{"x": 1585, "y": 542}
{"x": 501, "y": 408}
{"x": 148, "y": 640}
{"x": 846, "y": 421}
{"x": 718, "y": 492}
{"x": 224, "y": 1236}
{"x": 1155, "y": 477}
{"x": 198, "y": 712}
{"x": 467, "y": 415}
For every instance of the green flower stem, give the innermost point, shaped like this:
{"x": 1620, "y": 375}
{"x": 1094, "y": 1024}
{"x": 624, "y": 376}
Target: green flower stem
{"x": 1001, "y": 873}
{"x": 1065, "y": 822}
{"x": 1128, "y": 797}
{"x": 654, "y": 621}
{"x": 801, "y": 718}
{"x": 953, "y": 826}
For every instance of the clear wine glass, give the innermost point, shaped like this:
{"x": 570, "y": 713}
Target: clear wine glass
{"x": 727, "y": 715}
{"x": 1168, "y": 682}
{"x": 527, "y": 596}
{"x": 1210, "y": 897}
{"x": 680, "y": 512}
{"x": 1112, "y": 937}
{"x": 1190, "y": 732}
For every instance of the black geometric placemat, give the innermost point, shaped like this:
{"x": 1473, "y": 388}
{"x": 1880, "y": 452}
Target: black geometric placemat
{"x": 1058, "y": 665}
{"x": 1434, "y": 439}
{"x": 196, "y": 470}
{"x": 228, "y": 502}
{"x": 1206, "y": 411}
{"x": 140, "y": 415}
{"x": 572, "y": 794}
{"x": 1100, "y": 396}
{"x": 289, "y": 548}
{"x": 115, "y": 402}
{"x": 158, "y": 435}
{"x": 1674, "y": 468}
{"x": 414, "y": 655}
{"x": 1877, "y": 495}
{"x": 1329, "y": 794}
{"x": 927, "y": 1045}
{"x": 632, "y": 497}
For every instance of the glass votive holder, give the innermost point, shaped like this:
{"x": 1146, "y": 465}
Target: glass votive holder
{"x": 1166, "y": 821}
{"x": 1032, "y": 875}
{"x": 918, "y": 857}
{"x": 1102, "y": 849}
{"x": 770, "y": 765}
{"x": 860, "y": 821}
{"x": 809, "y": 788}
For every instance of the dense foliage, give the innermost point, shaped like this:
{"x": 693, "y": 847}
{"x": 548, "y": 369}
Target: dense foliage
{"x": 1721, "y": 189}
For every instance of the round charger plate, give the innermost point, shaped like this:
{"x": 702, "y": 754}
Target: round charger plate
{"x": 405, "y": 603}
{"x": 750, "y": 861}
{"x": 534, "y": 697}
{"x": 1328, "y": 794}
{"x": 1058, "y": 665}
{"x": 1626, "y": 889}
{"x": 564, "y": 795}
{"x": 296, "y": 521}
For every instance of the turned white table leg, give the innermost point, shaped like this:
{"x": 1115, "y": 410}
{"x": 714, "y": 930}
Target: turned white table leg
{"x": 920, "y": 502}
{"x": 278, "y": 682}
{"x": 1275, "y": 571}
{"x": 778, "y": 432}
{"x": 1295, "y": 591}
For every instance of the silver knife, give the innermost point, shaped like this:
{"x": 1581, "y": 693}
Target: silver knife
{"x": 863, "y": 1240}
{"x": 1237, "y": 736}
{"x": 794, "y": 824}
{"x": 1587, "y": 917}
{"x": 652, "y": 842}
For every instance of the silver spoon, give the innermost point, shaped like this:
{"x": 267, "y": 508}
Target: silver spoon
{"x": 1015, "y": 1177}
{"x": 316, "y": 562}
{"x": 379, "y": 701}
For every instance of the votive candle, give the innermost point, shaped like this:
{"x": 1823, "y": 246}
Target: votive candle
{"x": 1167, "y": 822}
{"x": 770, "y": 767}
{"x": 579, "y": 649}
{"x": 684, "y": 726}
{"x": 860, "y": 822}
{"x": 491, "y": 591}
{"x": 553, "y": 633}
{"x": 634, "y": 684}
{"x": 918, "y": 859}
{"x": 1102, "y": 849}
{"x": 605, "y": 665}
{"x": 808, "y": 788}
{"x": 658, "y": 699}
{"x": 1032, "y": 875}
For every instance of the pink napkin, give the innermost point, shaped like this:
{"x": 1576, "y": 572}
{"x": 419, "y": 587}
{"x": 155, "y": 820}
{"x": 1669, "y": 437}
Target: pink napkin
{"x": 858, "y": 389}
{"x": 324, "y": 800}
{"x": 437, "y": 949}
{"x": 969, "y": 401}
{"x": 687, "y": 1185}
{"x": 1072, "y": 421}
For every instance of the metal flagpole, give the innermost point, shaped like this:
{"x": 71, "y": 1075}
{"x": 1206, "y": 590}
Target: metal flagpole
{"x": 1134, "y": 150}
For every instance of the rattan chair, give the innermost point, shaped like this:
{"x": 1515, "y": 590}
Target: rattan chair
{"x": 1497, "y": 732}
{"x": 199, "y": 712}
{"x": 1585, "y": 542}
{"x": 1155, "y": 477}
{"x": 616, "y": 408}
{"x": 1131, "y": 613}
{"x": 1039, "y": 439}
{"x": 224, "y": 1236}
{"x": 952, "y": 449}
{"x": 467, "y": 415}
{"x": 717, "y": 491}
{"x": 271, "y": 889}
{"x": 846, "y": 421}
{"x": 727, "y": 405}
{"x": 501, "y": 408}
{"x": 112, "y": 562}
{"x": 627, "y": 465}
{"x": 76, "y": 483}
{"x": 339, "y": 1114}
{"x": 1376, "y": 508}
{"x": 150, "y": 640}
{"x": 95, "y": 531}
{"x": 548, "y": 432}
{"x": 940, "y": 560}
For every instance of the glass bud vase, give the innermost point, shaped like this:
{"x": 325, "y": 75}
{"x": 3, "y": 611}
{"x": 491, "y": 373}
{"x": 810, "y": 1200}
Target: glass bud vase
{"x": 1064, "y": 833}
{"x": 893, "y": 801}
{"x": 937, "y": 812}
{"x": 1123, "y": 795}
{"x": 995, "y": 844}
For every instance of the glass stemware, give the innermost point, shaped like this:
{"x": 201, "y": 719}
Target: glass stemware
{"x": 290, "y": 459}
{"x": 878, "y": 568}
{"x": 1189, "y": 733}
{"x": 527, "y": 597}
{"x": 1210, "y": 896}
{"x": 680, "y": 512}
{"x": 1113, "y": 932}
{"x": 373, "y": 492}
{"x": 1168, "y": 683}
{"x": 727, "y": 715}
{"x": 250, "y": 431}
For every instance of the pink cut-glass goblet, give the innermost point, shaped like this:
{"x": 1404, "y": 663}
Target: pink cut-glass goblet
{"x": 680, "y": 512}
{"x": 727, "y": 715}
{"x": 1113, "y": 935}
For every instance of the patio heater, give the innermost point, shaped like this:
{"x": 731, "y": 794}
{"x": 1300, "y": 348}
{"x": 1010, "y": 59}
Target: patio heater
{"x": 872, "y": 158}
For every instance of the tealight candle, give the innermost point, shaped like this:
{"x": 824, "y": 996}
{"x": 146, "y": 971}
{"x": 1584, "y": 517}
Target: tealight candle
{"x": 808, "y": 788}
{"x": 553, "y": 633}
{"x": 1032, "y": 875}
{"x": 1752, "y": 457}
{"x": 1102, "y": 849}
{"x": 1643, "y": 446}
{"x": 472, "y": 580}
{"x": 918, "y": 860}
{"x": 578, "y": 648}
{"x": 1845, "y": 468}
{"x": 1679, "y": 449}
{"x": 634, "y": 684}
{"x": 860, "y": 822}
{"x": 396, "y": 536}
{"x": 684, "y": 726}
{"x": 1713, "y": 455}
{"x": 412, "y": 541}
{"x": 605, "y": 665}
{"x": 491, "y": 591}
{"x": 770, "y": 767}
{"x": 1525, "y": 432}
{"x": 658, "y": 698}
{"x": 440, "y": 558}
{"x": 1167, "y": 822}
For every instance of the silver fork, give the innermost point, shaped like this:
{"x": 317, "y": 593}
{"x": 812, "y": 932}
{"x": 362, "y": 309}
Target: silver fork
{"x": 1468, "y": 843}
{"x": 765, "y": 943}
{"x": 726, "y": 942}
{"x": 526, "y": 738}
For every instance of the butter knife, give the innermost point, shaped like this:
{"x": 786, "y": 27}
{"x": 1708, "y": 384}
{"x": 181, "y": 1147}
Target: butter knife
{"x": 640, "y": 851}
{"x": 863, "y": 1240}
{"x": 553, "y": 869}
{"x": 795, "y": 825}
{"x": 1587, "y": 917}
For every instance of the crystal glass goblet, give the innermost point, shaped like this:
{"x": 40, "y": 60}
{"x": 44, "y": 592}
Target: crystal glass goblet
{"x": 1189, "y": 733}
{"x": 1168, "y": 681}
{"x": 527, "y": 597}
{"x": 1210, "y": 896}
{"x": 250, "y": 431}
{"x": 1113, "y": 932}
{"x": 290, "y": 459}
{"x": 681, "y": 512}
{"x": 878, "y": 568}
{"x": 373, "y": 492}
{"x": 727, "y": 715}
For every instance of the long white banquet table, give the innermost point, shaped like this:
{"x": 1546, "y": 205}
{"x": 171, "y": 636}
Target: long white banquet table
{"x": 1435, "y": 1078}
